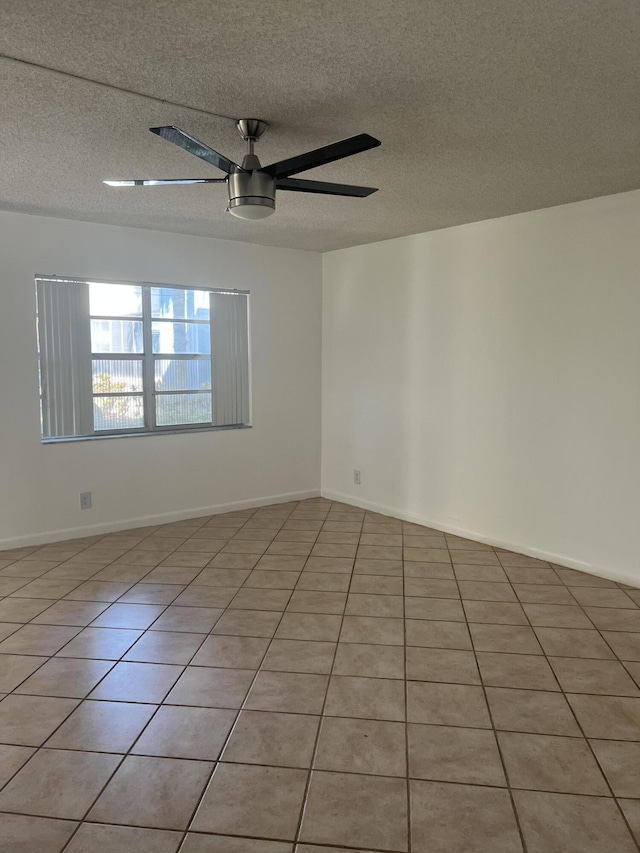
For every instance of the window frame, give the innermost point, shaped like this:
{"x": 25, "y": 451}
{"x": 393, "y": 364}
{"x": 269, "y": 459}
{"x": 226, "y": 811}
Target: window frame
{"x": 148, "y": 359}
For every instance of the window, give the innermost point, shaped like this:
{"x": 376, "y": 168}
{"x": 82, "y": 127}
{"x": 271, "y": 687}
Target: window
{"x": 122, "y": 358}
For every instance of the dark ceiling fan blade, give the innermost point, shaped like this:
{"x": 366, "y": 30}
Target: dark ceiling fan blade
{"x": 302, "y": 186}
{"x": 166, "y": 182}
{"x": 327, "y": 154}
{"x": 193, "y": 146}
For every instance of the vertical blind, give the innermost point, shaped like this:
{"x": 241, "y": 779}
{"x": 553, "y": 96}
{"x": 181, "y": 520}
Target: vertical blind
{"x": 73, "y": 405}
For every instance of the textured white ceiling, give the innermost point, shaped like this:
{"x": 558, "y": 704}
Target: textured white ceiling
{"x": 484, "y": 108}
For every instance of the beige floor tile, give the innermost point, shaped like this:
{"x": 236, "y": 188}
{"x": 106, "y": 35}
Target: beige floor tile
{"x": 331, "y": 537}
{"x": 209, "y": 687}
{"x": 419, "y": 569}
{"x": 450, "y": 818}
{"x": 515, "y": 639}
{"x": 98, "y": 591}
{"x": 333, "y": 565}
{"x": 271, "y": 579}
{"x": 152, "y": 792}
{"x": 12, "y": 758}
{"x": 324, "y": 549}
{"x": 607, "y": 717}
{"x": 152, "y": 593}
{"x": 100, "y": 643}
{"x": 287, "y": 563}
{"x": 165, "y": 647}
{"x": 377, "y": 585}
{"x": 232, "y": 652}
{"x": 509, "y": 558}
{"x": 626, "y": 645}
{"x": 65, "y": 677}
{"x": 524, "y": 574}
{"x": 486, "y": 591}
{"x": 171, "y": 576}
{"x": 369, "y": 660}
{"x": 246, "y": 546}
{"x": 58, "y": 783}
{"x": 551, "y": 763}
{"x": 393, "y": 539}
{"x": 37, "y": 640}
{"x": 179, "y": 732}
{"x": 195, "y": 843}
{"x": 309, "y": 626}
{"x": 614, "y": 619}
{"x": 14, "y": 669}
{"x": 526, "y": 671}
{"x": 426, "y": 555}
{"x": 378, "y": 567}
{"x": 495, "y": 612}
{"x": 367, "y": 698}
{"x": 200, "y": 620}
{"x": 322, "y": 581}
{"x": 299, "y": 656}
{"x": 445, "y": 609}
{"x": 23, "y": 609}
{"x": 447, "y": 704}
{"x": 137, "y": 682}
{"x": 134, "y": 616}
{"x": 260, "y": 599}
{"x": 431, "y": 587}
{"x": 577, "y": 675}
{"x": 445, "y": 754}
{"x": 620, "y": 761}
{"x": 313, "y": 601}
{"x": 71, "y": 613}
{"x": 363, "y": 811}
{"x": 480, "y": 573}
{"x": 570, "y": 823}
{"x": 222, "y": 577}
{"x": 29, "y": 720}
{"x": 364, "y": 604}
{"x": 275, "y": 794}
{"x": 573, "y": 643}
{"x": 102, "y": 726}
{"x": 48, "y": 588}
{"x": 99, "y": 838}
{"x": 439, "y": 635}
{"x": 557, "y": 616}
{"x": 532, "y": 593}
{"x": 596, "y": 597}
{"x": 206, "y": 596}
{"x": 248, "y": 623}
{"x": 447, "y": 665}
{"x": 290, "y": 549}
{"x": 27, "y": 834}
{"x": 9, "y": 585}
{"x": 266, "y": 737}
{"x": 371, "y": 629}
{"x": 534, "y": 711}
{"x": 631, "y": 809}
{"x": 8, "y": 628}
{"x": 362, "y": 746}
{"x": 287, "y": 691}
{"x": 468, "y": 557}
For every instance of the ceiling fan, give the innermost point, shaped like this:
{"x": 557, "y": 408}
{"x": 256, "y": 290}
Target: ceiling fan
{"x": 252, "y": 187}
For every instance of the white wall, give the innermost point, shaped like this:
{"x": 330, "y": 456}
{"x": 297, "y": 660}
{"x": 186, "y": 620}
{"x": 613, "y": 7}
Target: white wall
{"x": 486, "y": 379}
{"x": 133, "y": 479}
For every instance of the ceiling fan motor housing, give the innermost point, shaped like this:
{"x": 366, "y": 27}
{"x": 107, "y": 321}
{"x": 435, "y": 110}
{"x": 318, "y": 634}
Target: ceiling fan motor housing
{"x": 252, "y": 192}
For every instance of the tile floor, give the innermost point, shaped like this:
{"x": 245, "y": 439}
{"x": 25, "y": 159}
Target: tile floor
{"x": 311, "y": 677}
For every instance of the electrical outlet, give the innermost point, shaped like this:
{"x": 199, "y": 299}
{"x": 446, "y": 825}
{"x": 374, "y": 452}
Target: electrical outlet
{"x": 85, "y": 500}
{"x": 356, "y": 476}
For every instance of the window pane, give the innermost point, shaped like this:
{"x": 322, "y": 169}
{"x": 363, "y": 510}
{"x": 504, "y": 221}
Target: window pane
{"x": 115, "y": 300}
{"x": 183, "y": 374}
{"x": 179, "y": 304}
{"x": 116, "y": 376}
{"x": 183, "y": 409}
{"x": 180, "y": 337}
{"x": 118, "y": 412}
{"x": 116, "y": 336}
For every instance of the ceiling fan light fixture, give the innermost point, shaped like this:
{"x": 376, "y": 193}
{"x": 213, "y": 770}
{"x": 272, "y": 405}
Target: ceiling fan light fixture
{"x": 251, "y": 207}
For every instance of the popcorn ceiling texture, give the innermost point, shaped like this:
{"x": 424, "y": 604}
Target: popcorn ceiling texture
{"x": 484, "y": 109}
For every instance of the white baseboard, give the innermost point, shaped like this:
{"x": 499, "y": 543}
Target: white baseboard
{"x": 47, "y": 536}
{"x": 519, "y": 548}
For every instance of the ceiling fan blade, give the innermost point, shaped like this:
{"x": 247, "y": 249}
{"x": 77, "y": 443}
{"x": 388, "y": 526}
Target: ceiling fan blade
{"x": 188, "y": 143}
{"x": 302, "y": 186}
{"x": 327, "y": 154}
{"x": 166, "y": 182}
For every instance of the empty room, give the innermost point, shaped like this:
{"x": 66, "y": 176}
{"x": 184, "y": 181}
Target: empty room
{"x": 319, "y": 426}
